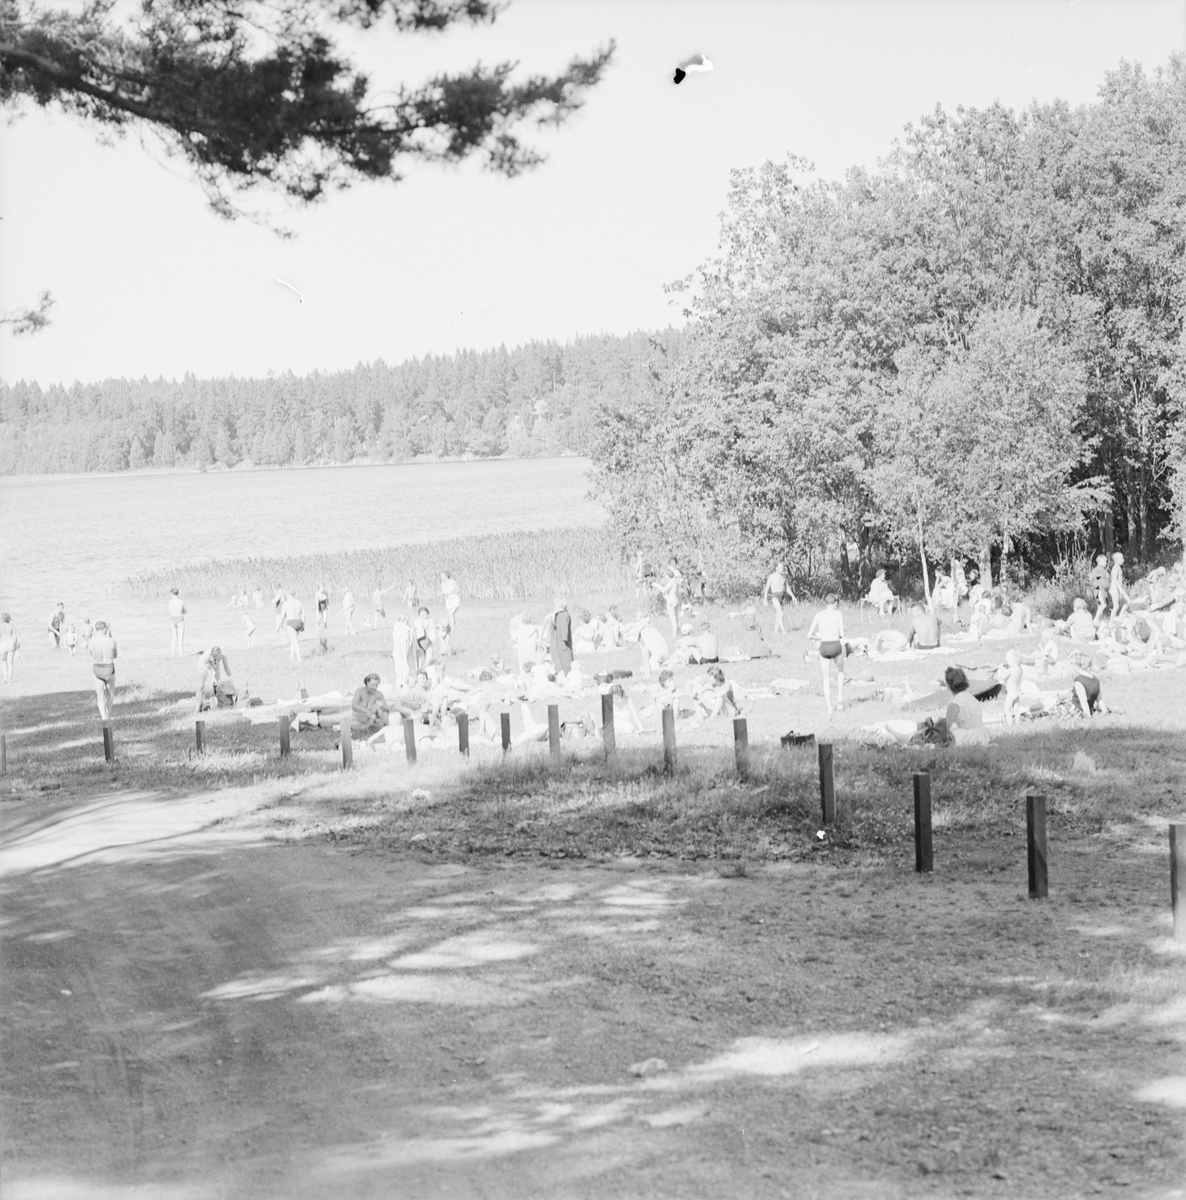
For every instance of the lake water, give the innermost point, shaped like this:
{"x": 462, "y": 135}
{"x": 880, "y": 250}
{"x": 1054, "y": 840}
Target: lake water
{"x": 72, "y": 537}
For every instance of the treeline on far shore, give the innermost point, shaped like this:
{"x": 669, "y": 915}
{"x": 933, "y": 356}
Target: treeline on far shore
{"x": 539, "y": 399}
{"x": 501, "y": 566}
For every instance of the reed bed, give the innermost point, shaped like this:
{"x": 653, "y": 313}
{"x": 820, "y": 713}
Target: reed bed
{"x": 501, "y": 566}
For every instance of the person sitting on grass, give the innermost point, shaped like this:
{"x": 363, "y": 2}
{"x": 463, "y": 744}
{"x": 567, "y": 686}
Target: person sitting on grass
{"x": 627, "y": 718}
{"x": 964, "y": 719}
{"x": 924, "y": 628}
{"x": 880, "y": 594}
{"x": 368, "y": 708}
{"x": 698, "y": 647}
{"x": 1079, "y": 626}
{"x": 1085, "y": 687}
{"x": 714, "y": 694}
{"x": 888, "y": 641}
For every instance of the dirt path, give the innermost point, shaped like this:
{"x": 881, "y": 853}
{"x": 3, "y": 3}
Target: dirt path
{"x": 193, "y": 1013}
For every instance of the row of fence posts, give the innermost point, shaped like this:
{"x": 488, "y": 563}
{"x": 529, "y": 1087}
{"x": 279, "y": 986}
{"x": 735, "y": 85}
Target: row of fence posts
{"x": 1035, "y": 805}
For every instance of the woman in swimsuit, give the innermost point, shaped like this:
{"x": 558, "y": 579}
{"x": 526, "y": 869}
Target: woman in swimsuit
{"x": 322, "y": 607}
{"x": 104, "y": 653}
{"x": 827, "y": 627}
{"x": 9, "y": 645}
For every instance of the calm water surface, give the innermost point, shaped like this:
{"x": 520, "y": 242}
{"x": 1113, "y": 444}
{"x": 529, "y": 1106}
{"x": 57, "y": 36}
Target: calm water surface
{"x": 71, "y": 538}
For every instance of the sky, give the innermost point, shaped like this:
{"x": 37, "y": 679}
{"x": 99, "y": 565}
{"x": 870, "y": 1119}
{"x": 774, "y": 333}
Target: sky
{"x": 150, "y": 282}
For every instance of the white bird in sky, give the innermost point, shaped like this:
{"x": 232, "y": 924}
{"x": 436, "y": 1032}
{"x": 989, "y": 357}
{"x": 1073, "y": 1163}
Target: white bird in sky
{"x": 290, "y": 287}
{"x": 696, "y": 63}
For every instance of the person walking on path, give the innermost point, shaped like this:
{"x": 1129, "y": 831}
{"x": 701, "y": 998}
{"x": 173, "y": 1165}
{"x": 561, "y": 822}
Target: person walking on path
{"x": 827, "y": 627}
{"x": 104, "y": 652}
{"x": 56, "y": 625}
{"x": 9, "y": 645}
{"x": 177, "y": 611}
{"x": 775, "y": 592}
{"x": 561, "y": 640}
{"x": 451, "y": 590}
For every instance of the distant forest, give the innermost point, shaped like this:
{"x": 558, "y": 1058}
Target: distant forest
{"x": 538, "y": 399}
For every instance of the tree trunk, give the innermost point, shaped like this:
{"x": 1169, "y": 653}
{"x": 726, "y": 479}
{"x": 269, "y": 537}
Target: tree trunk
{"x": 922, "y": 554}
{"x": 1129, "y": 510}
{"x": 1109, "y": 532}
{"x": 1144, "y": 543}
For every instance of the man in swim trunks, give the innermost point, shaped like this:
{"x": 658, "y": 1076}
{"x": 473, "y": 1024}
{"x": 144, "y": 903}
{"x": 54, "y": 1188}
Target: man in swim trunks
{"x": 104, "y": 653}
{"x": 924, "y": 628}
{"x": 827, "y": 627}
{"x": 775, "y": 592}
{"x": 177, "y": 617}
{"x": 57, "y": 624}
{"x": 292, "y": 613}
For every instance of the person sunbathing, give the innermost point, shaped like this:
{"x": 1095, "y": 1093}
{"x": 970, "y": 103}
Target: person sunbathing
{"x": 880, "y": 594}
{"x": 698, "y": 647}
{"x": 886, "y": 641}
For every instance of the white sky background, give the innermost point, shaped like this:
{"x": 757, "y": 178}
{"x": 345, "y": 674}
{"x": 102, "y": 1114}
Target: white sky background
{"x": 150, "y": 282}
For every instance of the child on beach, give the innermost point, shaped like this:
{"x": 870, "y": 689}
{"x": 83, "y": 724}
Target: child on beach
{"x": 71, "y": 639}
{"x": 9, "y": 645}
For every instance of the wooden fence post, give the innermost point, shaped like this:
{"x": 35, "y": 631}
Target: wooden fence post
{"x": 827, "y": 786}
{"x": 200, "y": 736}
{"x": 554, "y": 730}
{"x": 505, "y": 722}
{"x": 924, "y": 859}
{"x": 607, "y": 722}
{"x": 347, "y": 740}
{"x": 463, "y": 732}
{"x": 669, "y": 740}
{"x": 285, "y": 722}
{"x": 741, "y": 746}
{"x": 1035, "y": 837}
{"x": 1178, "y": 878}
{"x": 410, "y": 740}
{"x": 108, "y": 742}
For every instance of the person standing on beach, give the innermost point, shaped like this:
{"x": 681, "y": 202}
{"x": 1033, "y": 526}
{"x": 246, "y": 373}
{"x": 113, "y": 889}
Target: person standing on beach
{"x": 292, "y": 613}
{"x": 104, "y": 652}
{"x": 177, "y": 612}
{"x": 451, "y": 590}
{"x": 411, "y": 596}
{"x": 9, "y": 645}
{"x": 422, "y": 639}
{"x": 57, "y": 624}
{"x": 322, "y": 607}
{"x": 668, "y": 588}
{"x": 1100, "y": 579}
{"x": 347, "y": 612}
{"x": 401, "y": 648}
{"x": 827, "y": 627}
{"x": 775, "y": 592}
{"x": 561, "y": 641}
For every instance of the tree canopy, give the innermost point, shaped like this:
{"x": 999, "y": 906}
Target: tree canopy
{"x": 974, "y": 349}
{"x": 258, "y": 92}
